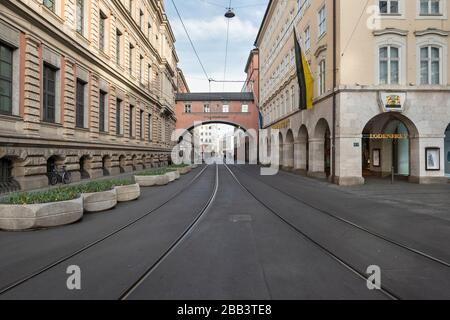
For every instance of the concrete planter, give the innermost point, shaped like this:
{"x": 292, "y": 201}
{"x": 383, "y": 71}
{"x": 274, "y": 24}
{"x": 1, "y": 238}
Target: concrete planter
{"x": 128, "y": 193}
{"x": 99, "y": 201}
{"x": 150, "y": 181}
{"x": 184, "y": 170}
{"x": 35, "y": 216}
{"x": 173, "y": 175}
{"x": 194, "y": 166}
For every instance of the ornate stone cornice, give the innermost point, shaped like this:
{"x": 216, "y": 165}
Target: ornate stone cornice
{"x": 431, "y": 31}
{"x": 394, "y": 31}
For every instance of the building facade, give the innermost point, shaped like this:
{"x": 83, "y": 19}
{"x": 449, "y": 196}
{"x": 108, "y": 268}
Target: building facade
{"x": 234, "y": 108}
{"x": 381, "y": 101}
{"x": 89, "y": 85}
{"x": 252, "y": 71}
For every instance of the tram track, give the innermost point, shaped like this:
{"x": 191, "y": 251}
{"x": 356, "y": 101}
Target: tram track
{"x": 364, "y": 277}
{"x": 93, "y": 243}
{"x": 129, "y": 291}
{"x": 353, "y": 224}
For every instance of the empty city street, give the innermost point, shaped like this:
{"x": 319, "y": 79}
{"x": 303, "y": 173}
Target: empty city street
{"x": 228, "y": 232}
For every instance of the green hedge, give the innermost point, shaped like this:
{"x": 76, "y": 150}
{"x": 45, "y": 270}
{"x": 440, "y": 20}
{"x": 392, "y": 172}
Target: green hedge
{"x": 153, "y": 172}
{"x": 65, "y": 193}
{"x": 183, "y": 165}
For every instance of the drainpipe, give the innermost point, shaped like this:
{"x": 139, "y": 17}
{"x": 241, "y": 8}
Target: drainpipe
{"x": 333, "y": 144}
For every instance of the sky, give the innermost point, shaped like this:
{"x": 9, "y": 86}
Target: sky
{"x": 207, "y": 27}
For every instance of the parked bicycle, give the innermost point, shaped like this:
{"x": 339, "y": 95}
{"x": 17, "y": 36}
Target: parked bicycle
{"x": 63, "y": 176}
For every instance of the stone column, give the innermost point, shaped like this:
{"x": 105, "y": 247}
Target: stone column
{"x": 32, "y": 86}
{"x": 349, "y": 160}
{"x": 30, "y": 173}
{"x": 300, "y": 154}
{"x": 288, "y": 156}
{"x": 418, "y": 160}
{"x": 115, "y": 166}
{"x": 316, "y": 158}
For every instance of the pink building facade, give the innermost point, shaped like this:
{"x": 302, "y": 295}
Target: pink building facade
{"x": 237, "y": 109}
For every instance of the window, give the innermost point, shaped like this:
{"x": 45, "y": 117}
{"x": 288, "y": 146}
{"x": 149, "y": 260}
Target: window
{"x": 49, "y": 94}
{"x": 322, "y": 79}
{"x": 141, "y": 71}
{"x": 49, "y": 4}
{"x": 149, "y": 30}
{"x": 118, "y": 45}
{"x": 130, "y": 59}
{"x": 101, "y": 111}
{"x": 389, "y": 57}
{"x": 80, "y": 103}
{"x": 206, "y": 108}
{"x": 141, "y": 19}
{"x": 6, "y": 79}
{"x": 130, "y": 6}
{"x": 322, "y": 21}
{"x": 150, "y": 133}
{"x": 118, "y": 116}
{"x": 131, "y": 115}
{"x": 307, "y": 38}
{"x": 430, "y": 7}
{"x": 187, "y": 108}
{"x": 102, "y": 31}
{"x": 244, "y": 108}
{"x": 292, "y": 98}
{"x": 141, "y": 122}
{"x": 80, "y": 16}
{"x": 430, "y": 65}
{"x": 225, "y": 108}
{"x": 149, "y": 76}
{"x": 389, "y": 7}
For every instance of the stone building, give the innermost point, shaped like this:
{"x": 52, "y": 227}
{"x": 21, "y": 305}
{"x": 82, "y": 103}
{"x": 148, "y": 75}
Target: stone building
{"x": 381, "y": 101}
{"x": 86, "y": 84}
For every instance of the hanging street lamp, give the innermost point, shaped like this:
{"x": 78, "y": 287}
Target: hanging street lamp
{"x": 230, "y": 14}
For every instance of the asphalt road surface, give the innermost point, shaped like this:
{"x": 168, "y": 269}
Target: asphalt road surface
{"x": 226, "y": 232}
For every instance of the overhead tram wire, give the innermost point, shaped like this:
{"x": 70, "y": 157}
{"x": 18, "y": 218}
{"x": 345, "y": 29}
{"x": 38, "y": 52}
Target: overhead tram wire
{"x": 226, "y": 49}
{"x": 354, "y": 29}
{"x": 191, "y": 42}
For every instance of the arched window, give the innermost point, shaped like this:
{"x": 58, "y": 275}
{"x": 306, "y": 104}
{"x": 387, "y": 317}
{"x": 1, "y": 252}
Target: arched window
{"x": 389, "y": 65}
{"x": 292, "y": 98}
{"x": 288, "y": 105}
{"x": 322, "y": 85}
{"x": 430, "y": 65}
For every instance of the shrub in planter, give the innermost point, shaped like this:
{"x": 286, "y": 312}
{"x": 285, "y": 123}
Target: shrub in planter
{"x": 149, "y": 178}
{"x": 173, "y": 174}
{"x": 182, "y": 168}
{"x": 98, "y": 195}
{"x": 127, "y": 190}
{"x": 33, "y": 210}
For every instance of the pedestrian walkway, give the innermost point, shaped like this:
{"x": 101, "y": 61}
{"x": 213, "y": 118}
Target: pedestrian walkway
{"x": 431, "y": 199}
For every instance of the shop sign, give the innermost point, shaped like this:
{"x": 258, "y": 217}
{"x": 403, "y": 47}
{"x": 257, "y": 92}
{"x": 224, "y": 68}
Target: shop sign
{"x": 284, "y": 124}
{"x": 383, "y": 136}
{"x": 392, "y": 102}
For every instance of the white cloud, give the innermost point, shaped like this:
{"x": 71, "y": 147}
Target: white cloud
{"x": 216, "y": 28}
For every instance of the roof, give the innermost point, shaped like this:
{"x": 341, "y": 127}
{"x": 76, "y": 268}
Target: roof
{"x": 215, "y": 96}
{"x": 253, "y": 52}
{"x": 263, "y": 22}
